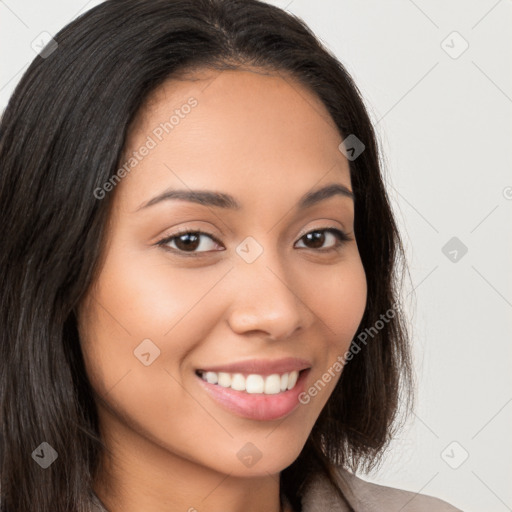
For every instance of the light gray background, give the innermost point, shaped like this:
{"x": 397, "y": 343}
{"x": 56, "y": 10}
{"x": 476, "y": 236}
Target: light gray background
{"x": 445, "y": 128}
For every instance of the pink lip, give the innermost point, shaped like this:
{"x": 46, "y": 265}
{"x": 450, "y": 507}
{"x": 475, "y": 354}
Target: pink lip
{"x": 257, "y": 406}
{"x": 261, "y": 366}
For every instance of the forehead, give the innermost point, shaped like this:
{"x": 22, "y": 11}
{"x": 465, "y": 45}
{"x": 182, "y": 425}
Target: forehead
{"x": 240, "y": 131}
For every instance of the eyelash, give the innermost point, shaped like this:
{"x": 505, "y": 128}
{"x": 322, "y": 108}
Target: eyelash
{"x": 341, "y": 237}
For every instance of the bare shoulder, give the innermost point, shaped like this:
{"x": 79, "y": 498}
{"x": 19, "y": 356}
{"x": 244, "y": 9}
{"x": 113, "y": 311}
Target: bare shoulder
{"x": 372, "y": 497}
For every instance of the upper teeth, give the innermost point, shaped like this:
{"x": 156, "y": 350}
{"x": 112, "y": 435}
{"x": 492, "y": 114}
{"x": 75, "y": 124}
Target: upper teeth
{"x": 253, "y": 383}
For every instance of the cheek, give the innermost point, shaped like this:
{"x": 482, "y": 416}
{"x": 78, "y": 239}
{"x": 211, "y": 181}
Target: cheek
{"x": 149, "y": 297}
{"x": 339, "y": 308}
{"x": 136, "y": 329}
{"x": 148, "y": 310}
{"x": 340, "y": 303}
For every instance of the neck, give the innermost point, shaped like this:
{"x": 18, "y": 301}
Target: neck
{"x": 137, "y": 474}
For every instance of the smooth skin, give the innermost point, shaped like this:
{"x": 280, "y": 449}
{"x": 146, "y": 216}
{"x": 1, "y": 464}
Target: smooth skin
{"x": 267, "y": 141}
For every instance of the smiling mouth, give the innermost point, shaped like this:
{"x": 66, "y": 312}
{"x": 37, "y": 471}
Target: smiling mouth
{"x": 253, "y": 383}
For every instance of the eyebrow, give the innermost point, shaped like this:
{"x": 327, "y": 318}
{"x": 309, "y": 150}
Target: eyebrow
{"x": 221, "y": 200}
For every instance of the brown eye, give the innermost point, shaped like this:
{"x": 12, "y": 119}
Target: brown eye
{"x": 317, "y": 238}
{"x": 188, "y": 242}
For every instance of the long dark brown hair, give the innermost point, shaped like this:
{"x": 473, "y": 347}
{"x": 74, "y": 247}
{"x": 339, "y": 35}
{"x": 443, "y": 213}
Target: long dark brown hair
{"x": 62, "y": 136}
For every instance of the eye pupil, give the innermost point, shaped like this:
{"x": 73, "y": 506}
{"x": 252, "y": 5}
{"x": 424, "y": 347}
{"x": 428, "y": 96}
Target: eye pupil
{"x": 317, "y": 237}
{"x": 188, "y": 243}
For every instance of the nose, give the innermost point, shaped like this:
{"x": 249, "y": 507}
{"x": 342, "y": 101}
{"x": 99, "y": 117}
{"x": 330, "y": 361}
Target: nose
{"x": 268, "y": 300}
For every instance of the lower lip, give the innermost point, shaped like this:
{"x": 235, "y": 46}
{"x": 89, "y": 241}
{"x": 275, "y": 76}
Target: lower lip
{"x": 257, "y": 406}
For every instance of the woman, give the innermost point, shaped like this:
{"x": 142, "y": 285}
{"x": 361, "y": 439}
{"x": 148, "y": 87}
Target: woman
{"x": 199, "y": 271}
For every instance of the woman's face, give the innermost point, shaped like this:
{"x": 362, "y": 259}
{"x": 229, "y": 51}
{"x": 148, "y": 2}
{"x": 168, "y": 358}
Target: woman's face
{"x": 265, "y": 286}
